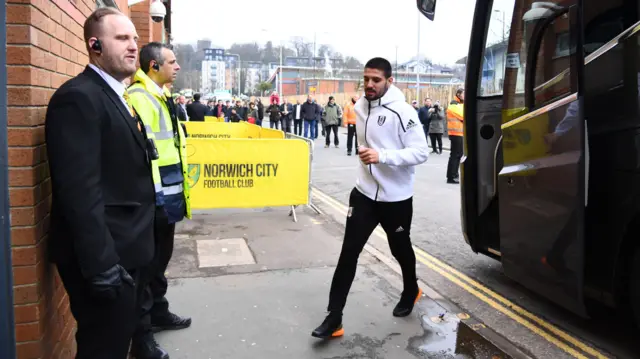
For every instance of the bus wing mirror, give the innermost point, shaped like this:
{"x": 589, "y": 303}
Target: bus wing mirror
{"x": 427, "y": 8}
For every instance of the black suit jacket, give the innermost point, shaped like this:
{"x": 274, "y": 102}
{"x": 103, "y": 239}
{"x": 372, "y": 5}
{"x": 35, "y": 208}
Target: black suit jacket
{"x": 103, "y": 199}
{"x": 197, "y": 111}
{"x": 181, "y": 112}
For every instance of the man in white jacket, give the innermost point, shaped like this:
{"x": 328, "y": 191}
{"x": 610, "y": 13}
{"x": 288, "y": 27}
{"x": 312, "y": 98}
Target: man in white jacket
{"x": 393, "y": 142}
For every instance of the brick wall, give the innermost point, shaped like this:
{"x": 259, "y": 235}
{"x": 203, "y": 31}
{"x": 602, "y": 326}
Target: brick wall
{"x": 44, "y": 49}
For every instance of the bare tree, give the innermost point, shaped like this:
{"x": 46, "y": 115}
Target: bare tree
{"x": 301, "y": 46}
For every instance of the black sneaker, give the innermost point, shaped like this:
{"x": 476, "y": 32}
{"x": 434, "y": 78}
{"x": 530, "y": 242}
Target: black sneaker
{"x": 331, "y": 327}
{"x": 406, "y": 303}
{"x": 349, "y": 153}
{"x": 146, "y": 347}
{"x": 169, "y": 321}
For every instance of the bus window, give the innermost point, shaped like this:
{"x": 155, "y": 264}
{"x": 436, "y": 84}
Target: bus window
{"x": 495, "y": 58}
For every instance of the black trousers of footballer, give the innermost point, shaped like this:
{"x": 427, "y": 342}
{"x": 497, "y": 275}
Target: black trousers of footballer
{"x": 364, "y": 215}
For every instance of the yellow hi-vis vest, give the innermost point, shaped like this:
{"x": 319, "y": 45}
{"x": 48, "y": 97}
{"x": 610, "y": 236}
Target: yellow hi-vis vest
{"x": 154, "y": 113}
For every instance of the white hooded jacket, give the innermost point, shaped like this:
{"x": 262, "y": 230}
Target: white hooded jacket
{"x": 390, "y": 126}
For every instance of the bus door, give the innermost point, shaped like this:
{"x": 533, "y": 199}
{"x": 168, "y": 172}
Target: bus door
{"x": 541, "y": 183}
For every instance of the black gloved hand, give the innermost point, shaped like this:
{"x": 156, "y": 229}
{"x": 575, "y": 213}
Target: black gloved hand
{"x": 107, "y": 285}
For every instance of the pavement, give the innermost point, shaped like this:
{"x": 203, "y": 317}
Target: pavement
{"x": 256, "y": 284}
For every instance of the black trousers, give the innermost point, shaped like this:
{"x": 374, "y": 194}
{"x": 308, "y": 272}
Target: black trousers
{"x": 436, "y": 137}
{"x": 328, "y": 130}
{"x": 351, "y": 134}
{"x": 274, "y": 124}
{"x": 153, "y": 303}
{"x": 364, "y": 215}
{"x": 297, "y": 127}
{"x": 454, "y": 157}
{"x": 286, "y": 124}
{"x": 105, "y": 328}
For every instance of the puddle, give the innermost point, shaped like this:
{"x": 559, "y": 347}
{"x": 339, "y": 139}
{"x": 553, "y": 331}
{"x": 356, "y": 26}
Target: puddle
{"x": 446, "y": 336}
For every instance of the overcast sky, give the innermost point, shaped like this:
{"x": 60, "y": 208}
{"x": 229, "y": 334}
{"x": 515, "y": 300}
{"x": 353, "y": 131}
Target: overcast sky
{"x": 360, "y": 28}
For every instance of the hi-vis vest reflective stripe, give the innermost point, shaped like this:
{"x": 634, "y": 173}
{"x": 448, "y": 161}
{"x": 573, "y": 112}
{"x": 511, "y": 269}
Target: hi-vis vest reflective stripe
{"x": 155, "y": 115}
{"x": 455, "y": 118}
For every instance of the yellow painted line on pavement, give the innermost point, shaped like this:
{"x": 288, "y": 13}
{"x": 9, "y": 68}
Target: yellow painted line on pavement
{"x": 498, "y": 302}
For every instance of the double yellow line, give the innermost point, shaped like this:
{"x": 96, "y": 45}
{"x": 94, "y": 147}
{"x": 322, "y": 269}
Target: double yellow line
{"x": 539, "y": 326}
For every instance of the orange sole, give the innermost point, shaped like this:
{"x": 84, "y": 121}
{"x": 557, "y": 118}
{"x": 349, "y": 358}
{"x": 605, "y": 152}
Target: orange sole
{"x": 338, "y": 333}
{"x": 418, "y": 296}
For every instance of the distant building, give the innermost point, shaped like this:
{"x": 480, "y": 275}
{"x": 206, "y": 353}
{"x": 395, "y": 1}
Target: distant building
{"x": 300, "y": 80}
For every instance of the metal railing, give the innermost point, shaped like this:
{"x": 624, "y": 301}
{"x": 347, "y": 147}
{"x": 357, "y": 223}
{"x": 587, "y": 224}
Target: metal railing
{"x": 311, "y": 148}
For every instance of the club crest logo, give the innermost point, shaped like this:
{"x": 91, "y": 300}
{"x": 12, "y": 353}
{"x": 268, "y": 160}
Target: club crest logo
{"x": 194, "y": 175}
{"x": 381, "y": 120}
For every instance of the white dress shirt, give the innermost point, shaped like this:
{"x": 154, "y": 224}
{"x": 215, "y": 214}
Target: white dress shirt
{"x": 118, "y": 87}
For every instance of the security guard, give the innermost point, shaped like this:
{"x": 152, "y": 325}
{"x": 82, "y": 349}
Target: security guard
{"x": 455, "y": 119}
{"x": 152, "y": 102}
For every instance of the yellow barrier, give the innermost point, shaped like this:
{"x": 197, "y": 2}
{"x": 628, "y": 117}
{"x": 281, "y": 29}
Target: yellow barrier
{"x": 229, "y": 130}
{"x": 213, "y": 119}
{"x": 269, "y": 133}
{"x": 220, "y": 130}
{"x": 242, "y": 173}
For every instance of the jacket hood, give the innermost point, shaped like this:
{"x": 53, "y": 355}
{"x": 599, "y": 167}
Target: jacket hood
{"x": 393, "y": 95}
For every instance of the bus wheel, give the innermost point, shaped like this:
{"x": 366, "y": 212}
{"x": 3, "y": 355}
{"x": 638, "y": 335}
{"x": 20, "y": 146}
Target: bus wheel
{"x": 634, "y": 285}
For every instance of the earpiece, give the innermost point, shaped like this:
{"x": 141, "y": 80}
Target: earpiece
{"x": 97, "y": 46}
{"x": 156, "y": 66}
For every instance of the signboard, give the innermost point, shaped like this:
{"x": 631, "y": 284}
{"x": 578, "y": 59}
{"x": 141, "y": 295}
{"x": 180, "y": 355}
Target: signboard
{"x": 243, "y": 173}
{"x": 513, "y": 60}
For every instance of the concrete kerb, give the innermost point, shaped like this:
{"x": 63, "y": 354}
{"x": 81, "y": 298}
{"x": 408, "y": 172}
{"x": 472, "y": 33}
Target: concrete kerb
{"x": 311, "y": 149}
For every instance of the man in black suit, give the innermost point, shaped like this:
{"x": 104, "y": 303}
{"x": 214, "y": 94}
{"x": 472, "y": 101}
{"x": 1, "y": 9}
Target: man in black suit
{"x": 181, "y": 108}
{"x": 196, "y": 110}
{"x": 103, "y": 200}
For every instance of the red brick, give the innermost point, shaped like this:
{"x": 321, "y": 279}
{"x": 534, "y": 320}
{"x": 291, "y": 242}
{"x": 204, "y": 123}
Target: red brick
{"x": 30, "y": 350}
{"x": 55, "y": 47}
{"x": 25, "y": 294}
{"x": 34, "y": 96}
{"x": 29, "y": 196}
{"x": 26, "y": 156}
{"x": 26, "y": 116}
{"x": 29, "y": 235}
{"x": 24, "y": 256}
{"x": 17, "y": 34}
{"x": 28, "y": 75}
{"x": 25, "y": 275}
{"x": 28, "y": 332}
{"x": 58, "y": 79}
{"x": 27, "y": 313}
{"x": 25, "y": 136}
{"x": 28, "y": 216}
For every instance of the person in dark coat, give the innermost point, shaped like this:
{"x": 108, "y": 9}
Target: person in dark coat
{"x": 260, "y": 107}
{"x": 424, "y": 116}
{"x": 196, "y": 110}
{"x": 101, "y": 235}
{"x": 436, "y": 127}
{"x": 310, "y": 114}
{"x": 274, "y": 115}
{"x": 286, "y": 111}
